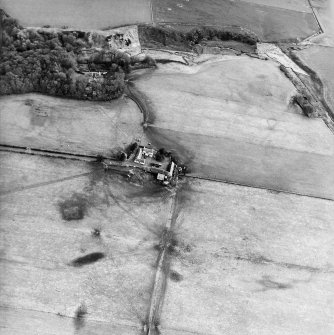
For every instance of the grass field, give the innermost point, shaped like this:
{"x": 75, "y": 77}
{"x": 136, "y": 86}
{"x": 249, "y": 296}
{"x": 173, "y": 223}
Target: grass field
{"x": 252, "y": 262}
{"x": 39, "y": 121}
{"x": 281, "y": 20}
{"x": 297, "y": 5}
{"x": 232, "y": 121}
{"x": 40, "y": 289}
{"x": 79, "y": 14}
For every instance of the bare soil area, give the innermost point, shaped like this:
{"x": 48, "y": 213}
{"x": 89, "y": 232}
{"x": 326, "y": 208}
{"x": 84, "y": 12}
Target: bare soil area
{"x": 52, "y": 264}
{"x": 42, "y": 122}
{"x": 252, "y": 262}
{"x": 270, "y": 23}
{"x": 231, "y": 119}
{"x": 78, "y": 14}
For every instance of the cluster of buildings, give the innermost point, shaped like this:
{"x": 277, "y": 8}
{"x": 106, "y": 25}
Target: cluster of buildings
{"x": 165, "y": 170}
{"x": 145, "y": 158}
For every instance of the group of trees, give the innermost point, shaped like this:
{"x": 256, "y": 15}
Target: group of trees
{"x": 47, "y": 61}
{"x": 161, "y": 36}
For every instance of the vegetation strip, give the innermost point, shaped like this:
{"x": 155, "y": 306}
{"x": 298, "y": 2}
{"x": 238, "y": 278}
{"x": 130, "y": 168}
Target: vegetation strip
{"x": 49, "y": 153}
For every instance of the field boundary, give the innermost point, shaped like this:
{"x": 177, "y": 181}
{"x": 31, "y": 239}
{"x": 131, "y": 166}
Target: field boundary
{"x": 47, "y": 153}
{"x": 316, "y": 18}
{"x": 256, "y": 187}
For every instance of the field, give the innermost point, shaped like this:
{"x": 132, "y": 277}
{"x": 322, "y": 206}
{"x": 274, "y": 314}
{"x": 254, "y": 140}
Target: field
{"x": 238, "y": 126}
{"x": 42, "y": 122}
{"x": 251, "y": 262}
{"x": 282, "y": 20}
{"x": 78, "y": 14}
{"x": 297, "y": 5}
{"x": 41, "y": 285}
{"x": 242, "y": 245}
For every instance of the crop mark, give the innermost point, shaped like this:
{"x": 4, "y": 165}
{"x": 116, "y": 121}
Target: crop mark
{"x": 87, "y": 259}
{"x": 175, "y": 276}
{"x": 79, "y": 318}
{"x": 266, "y": 261}
{"x": 74, "y": 208}
{"x": 268, "y": 284}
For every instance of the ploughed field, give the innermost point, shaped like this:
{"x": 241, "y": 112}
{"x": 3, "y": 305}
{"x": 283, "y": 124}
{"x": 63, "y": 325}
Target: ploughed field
{"x": 82, "y": 127}
{"x": 232, "y": 120}
{"x": 270, "y": 20}
{"x": 78, "y": 14}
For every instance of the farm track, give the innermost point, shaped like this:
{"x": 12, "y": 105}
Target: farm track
{"x": 162, "y": 272}
{"x": 137, "y": 97}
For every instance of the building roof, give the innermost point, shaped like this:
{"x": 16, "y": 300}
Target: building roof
{"x": 160, "y": 176}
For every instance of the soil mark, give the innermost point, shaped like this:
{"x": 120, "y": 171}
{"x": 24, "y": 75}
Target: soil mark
{"x": 74, "y": 208}
{"x": 79, "y": 319}
{"x": 265, "y": 261}
{"x": 87, "y": 259}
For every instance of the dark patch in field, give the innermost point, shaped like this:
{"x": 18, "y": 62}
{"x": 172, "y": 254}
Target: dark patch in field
{"x": 266, "y": 261}
{"x": 175, "y": 276}
{"x": 87, "y": 259}
{"x": 96, "y": 233}
{"x": 74, "y": 208}
{"x": 172, "y": 250}
{"x": 269, "y": 284}
{"x": 79, "y": 318}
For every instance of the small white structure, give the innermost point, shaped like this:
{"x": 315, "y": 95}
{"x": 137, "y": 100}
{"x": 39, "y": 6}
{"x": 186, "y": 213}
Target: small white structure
{"x": 139, "y": 159}
{"x": 171, "y": 169}
{"x": 147, "y": 152}
{"x": 161, "y": 176}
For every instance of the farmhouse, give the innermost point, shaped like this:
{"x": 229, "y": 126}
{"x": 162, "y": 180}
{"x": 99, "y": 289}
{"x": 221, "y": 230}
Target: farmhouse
{"x": 164, "y": 170}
